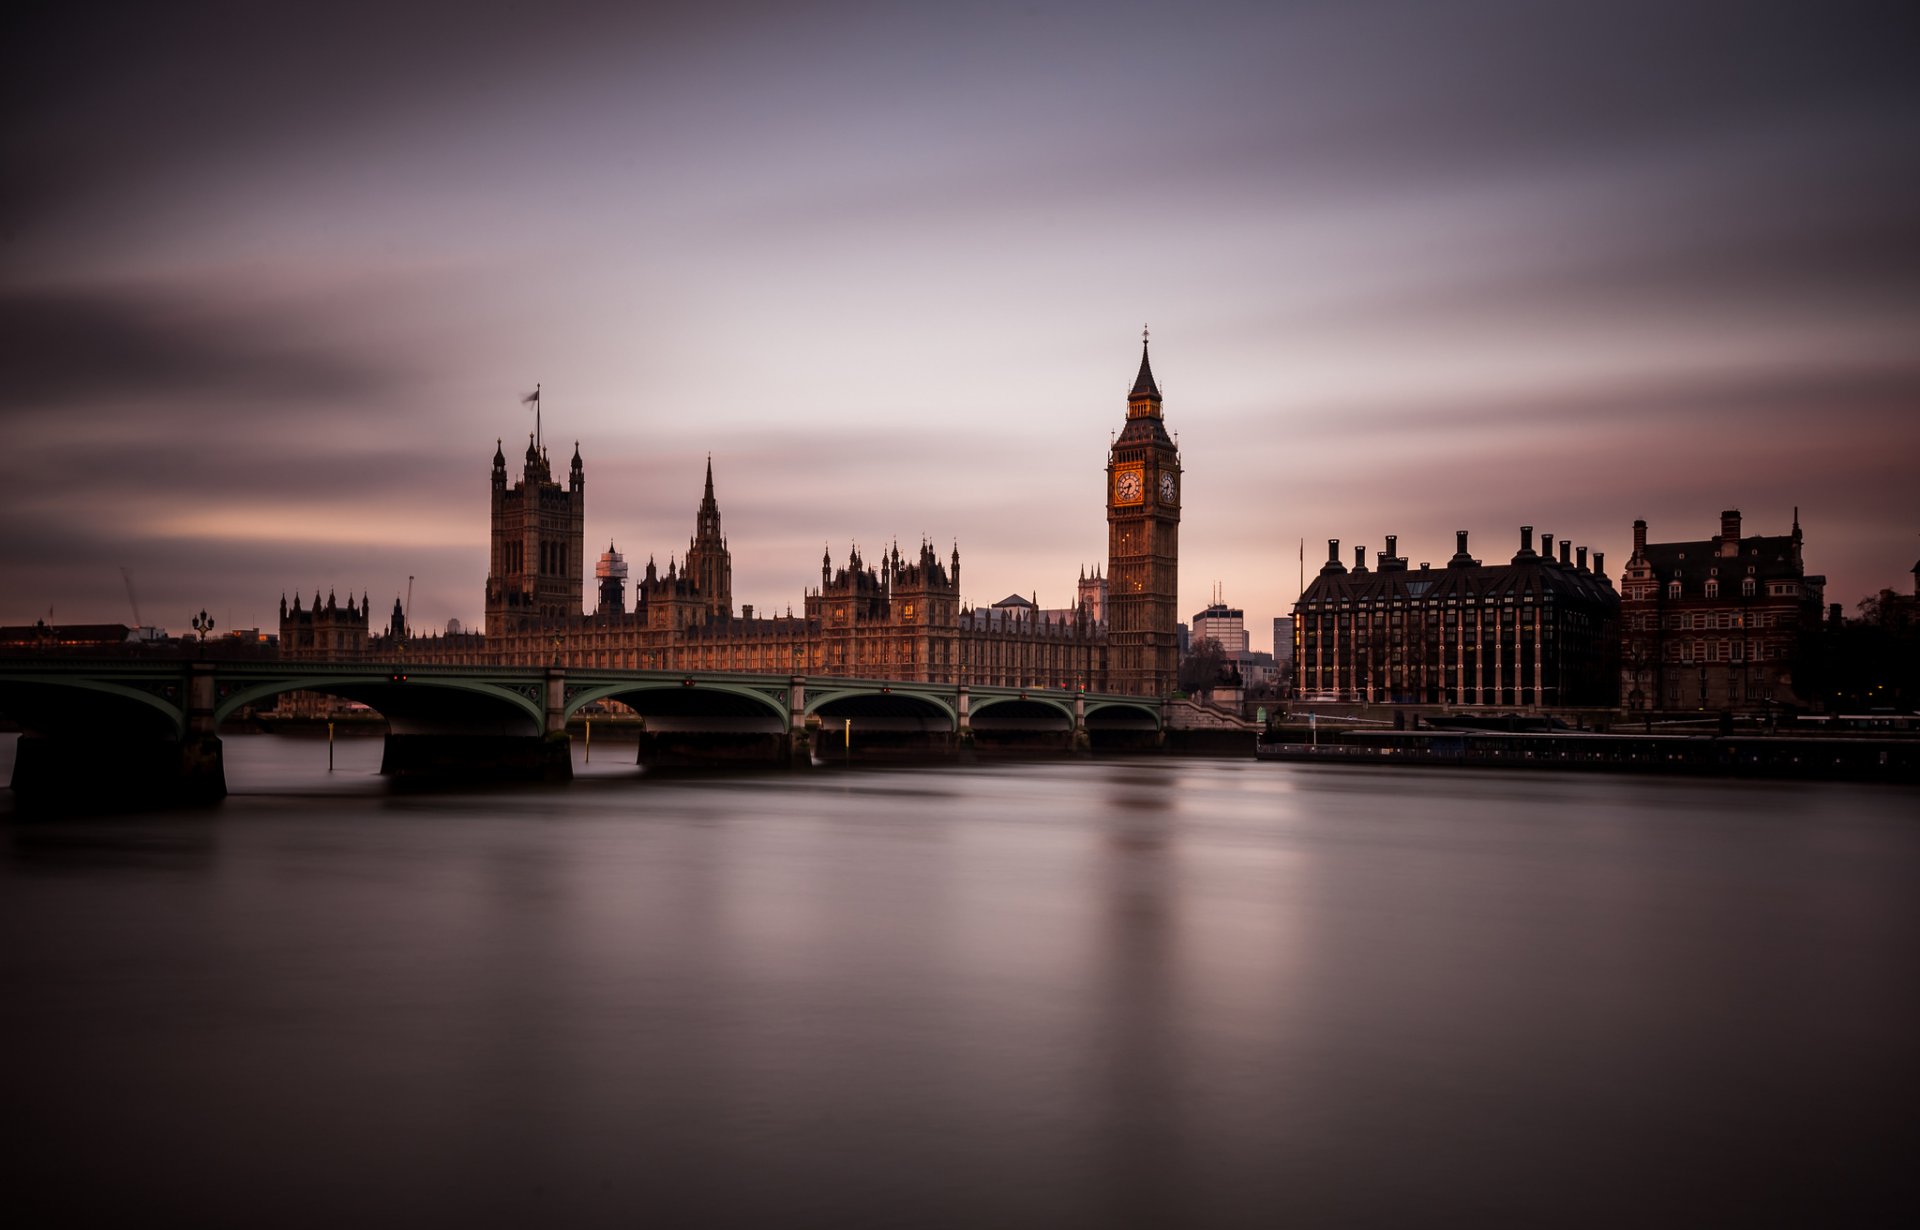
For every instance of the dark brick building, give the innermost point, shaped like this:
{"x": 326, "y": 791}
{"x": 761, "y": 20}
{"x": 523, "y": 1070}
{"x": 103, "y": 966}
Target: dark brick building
{"x": 1715, "y": 623}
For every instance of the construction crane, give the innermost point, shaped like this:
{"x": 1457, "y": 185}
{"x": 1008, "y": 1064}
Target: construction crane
{"x": 126, "y": 575}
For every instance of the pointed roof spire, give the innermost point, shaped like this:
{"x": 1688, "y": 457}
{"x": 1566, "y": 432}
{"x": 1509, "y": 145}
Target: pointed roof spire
{"x": 709, "y": 495}
{"x": 1143, "y": 385}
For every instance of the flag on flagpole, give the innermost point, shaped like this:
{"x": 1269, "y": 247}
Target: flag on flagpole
{"x": 532, "y": 398}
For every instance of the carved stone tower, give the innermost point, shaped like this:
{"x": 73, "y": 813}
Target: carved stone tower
{"x": 709, "y": 565}
{"x": 537, "y": 565}
{"x": 1143, "y": 547}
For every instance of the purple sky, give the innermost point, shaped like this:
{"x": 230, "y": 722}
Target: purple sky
{"x": 273, "y": 286}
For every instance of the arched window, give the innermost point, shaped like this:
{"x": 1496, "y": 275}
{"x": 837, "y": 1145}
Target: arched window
{"x": 1746, "y": 588}
{"x": 1713, "y": 589}
{"x": 1673, "y": 589}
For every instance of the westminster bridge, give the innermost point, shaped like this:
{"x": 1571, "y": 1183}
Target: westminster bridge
{"x": 158, "y": 722}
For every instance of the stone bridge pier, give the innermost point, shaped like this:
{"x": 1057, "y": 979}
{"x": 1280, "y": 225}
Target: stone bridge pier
{"x": 112, "y": 746}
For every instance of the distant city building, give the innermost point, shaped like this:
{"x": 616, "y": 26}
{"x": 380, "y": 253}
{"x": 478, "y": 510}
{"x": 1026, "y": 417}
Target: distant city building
{"x": 900, "y": 617}
{"x": 1715, "y": 623}
{"x": 1536, "y": 632}
{"x": 43, "y": 637}
{"x": 1283, "y": 639}
{"x": 1224, "y": 625}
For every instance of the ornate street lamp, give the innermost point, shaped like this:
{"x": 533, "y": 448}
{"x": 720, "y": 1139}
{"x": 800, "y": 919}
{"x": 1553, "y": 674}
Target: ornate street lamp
{"x": 203, "y": 624}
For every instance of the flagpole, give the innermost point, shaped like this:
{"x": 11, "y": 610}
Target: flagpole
{"x": 539, "y": 445}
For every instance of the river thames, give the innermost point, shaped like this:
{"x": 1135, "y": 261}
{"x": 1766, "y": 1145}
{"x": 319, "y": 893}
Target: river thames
{"x": 1141, "y": 992}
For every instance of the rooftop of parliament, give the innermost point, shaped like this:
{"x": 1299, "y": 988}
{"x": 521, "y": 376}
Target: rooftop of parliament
{"x": 897, "y": 616}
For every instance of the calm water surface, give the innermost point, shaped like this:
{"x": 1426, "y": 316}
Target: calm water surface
{"x": 1150, "y": 992}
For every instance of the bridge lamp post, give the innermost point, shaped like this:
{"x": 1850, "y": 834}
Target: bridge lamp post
{"x": 203, "y": 624}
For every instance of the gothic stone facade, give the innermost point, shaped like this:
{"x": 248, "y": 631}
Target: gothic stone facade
{"x": 900, "y": 617}
{"x": 1143, "y": 546}
{"x": 1534, "y": 633}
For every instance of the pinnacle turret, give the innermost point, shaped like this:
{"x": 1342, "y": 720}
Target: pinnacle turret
{"x": 1143, "y": 384}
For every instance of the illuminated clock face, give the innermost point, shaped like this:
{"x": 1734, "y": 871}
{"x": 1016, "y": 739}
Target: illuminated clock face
{"x": 1168, "y": 488}
{"x": 1126, "y": 487}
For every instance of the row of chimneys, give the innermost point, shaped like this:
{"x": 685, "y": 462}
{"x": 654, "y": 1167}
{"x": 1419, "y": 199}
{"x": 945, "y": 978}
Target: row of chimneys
{"x": 1389, "y": 560}
{"x": 1729, "y": 530}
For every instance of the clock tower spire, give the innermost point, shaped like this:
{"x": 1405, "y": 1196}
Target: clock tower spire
{"x": 1143, "y": 545}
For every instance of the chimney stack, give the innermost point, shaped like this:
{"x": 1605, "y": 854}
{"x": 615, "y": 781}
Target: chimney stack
{"x": 1393, "y": 544}
{"x": 1526, "y": 540}
{"x": 1639, "y": 538}
{"x": 1566, "y": 552}
{"x": 1600, "y": 564}
{"x": 1546, "y": 547}
{"x": 1333, "y": 550}
{"x": 1730, "y": 525}
{"x": 1359, "y": 558}
{"x": 1580, "y": 557}
{"x": 1460, "y": 557}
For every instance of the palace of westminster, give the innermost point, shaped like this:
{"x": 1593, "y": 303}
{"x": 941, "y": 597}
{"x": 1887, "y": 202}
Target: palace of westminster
{"x": 1705, "y": 624}
{"x": 900, "y": 617}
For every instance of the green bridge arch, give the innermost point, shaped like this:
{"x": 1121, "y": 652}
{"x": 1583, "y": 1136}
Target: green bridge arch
{"x": 591, "y": 693}
{"x": 173, "y": 711}
{"x": 378, "y": 686}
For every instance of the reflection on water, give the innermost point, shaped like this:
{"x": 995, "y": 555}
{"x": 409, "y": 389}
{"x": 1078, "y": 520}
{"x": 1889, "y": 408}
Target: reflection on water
{"x": 1149, "y": 992}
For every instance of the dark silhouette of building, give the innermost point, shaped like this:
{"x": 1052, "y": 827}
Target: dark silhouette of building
{"x": 538, "y": 562}
{"x": 324, "y": 632}
{"x": 709, "y": 566}
{"x": 1535, "y": 632}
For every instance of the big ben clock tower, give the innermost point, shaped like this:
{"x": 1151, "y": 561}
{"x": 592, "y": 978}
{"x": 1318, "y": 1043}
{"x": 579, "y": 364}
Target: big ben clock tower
{"x": 1143, "y": 546}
